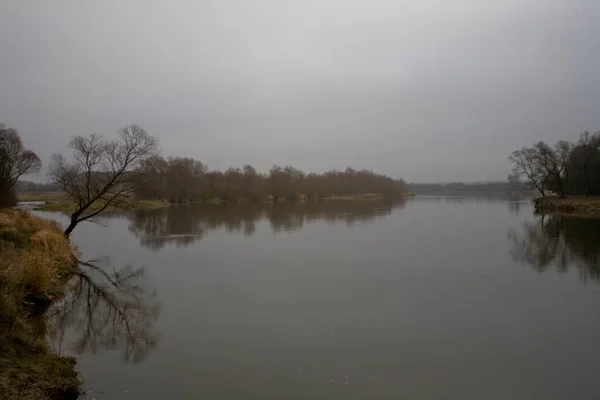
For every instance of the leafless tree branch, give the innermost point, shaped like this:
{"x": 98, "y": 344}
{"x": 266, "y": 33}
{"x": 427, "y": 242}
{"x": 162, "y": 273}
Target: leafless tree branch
{"x": 103, "y": 174}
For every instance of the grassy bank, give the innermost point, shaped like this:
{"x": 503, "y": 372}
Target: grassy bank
{"x": 68, "y": 206}
{"x": 35, "y": 262}
{"x": 27, "y": 372}
{"x": 585, "y": 206}
{"x": 58, "y": 201}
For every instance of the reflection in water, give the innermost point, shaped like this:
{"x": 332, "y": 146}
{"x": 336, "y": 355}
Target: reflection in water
{"x": 465, "y": 199}
{"x": 514, "y": 207}
{"x": 182, "y": 225}
{"x": 515, "y": 202}
{"x": 107, "y": 309}
{"x": 559, "y": 242}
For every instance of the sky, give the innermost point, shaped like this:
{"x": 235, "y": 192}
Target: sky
{"x": 425, "y": 90}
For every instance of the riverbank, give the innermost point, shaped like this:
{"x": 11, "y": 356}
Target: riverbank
{"x": 36, "y": 261}
{"x": 585, "y": 206}
{"x": 68, "y": 206}
{"x": 359, "y": 196}
{"x": 58, "y": 201}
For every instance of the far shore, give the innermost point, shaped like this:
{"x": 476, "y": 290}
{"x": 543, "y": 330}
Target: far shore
{"x": 60, "y": 202}
{"x": 577, "y": 206}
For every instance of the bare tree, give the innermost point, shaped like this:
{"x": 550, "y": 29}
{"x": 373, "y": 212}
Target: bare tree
{"x": 527, "y": 165}
{"x": 15, "y": 161}
{"x": 103, "y": 173}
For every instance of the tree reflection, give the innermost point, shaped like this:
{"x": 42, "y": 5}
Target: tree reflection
{"x": 560, "y": 243}
{"x": 106, "y": 309}
{"x": 182, "y": 225}
{"x": 514, "y": 207}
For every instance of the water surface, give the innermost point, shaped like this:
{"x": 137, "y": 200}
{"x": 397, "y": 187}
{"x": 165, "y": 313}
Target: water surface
{"x": 434, "y": 298}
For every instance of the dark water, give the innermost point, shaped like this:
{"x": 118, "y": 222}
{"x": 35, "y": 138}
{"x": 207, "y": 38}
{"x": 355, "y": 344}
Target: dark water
{"x": 435, "y": 298}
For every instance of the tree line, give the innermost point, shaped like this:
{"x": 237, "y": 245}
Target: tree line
{"x": 103, "y": 173}
{"x": 180, "y": 180}
{"x": 36, "y": 187}
{"x": 563, "y": 169}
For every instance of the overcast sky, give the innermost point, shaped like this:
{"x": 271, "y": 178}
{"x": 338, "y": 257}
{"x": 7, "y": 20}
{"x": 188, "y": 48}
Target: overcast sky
{"x": 421, "y": 89}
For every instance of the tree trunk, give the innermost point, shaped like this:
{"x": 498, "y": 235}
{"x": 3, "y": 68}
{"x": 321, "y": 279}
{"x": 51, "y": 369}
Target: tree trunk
{"x": 561, "y": 185}
{"x": 72, "y": 225}
{"x": 539, "y": 188}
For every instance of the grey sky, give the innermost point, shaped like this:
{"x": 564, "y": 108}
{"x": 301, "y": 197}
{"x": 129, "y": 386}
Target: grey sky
{"x": 424, "y": 90}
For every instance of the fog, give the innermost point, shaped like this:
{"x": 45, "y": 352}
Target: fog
{"x": 423, "y": 90}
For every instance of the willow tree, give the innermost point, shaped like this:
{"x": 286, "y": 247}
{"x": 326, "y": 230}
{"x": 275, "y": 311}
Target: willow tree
{"x": 103, "y": 173}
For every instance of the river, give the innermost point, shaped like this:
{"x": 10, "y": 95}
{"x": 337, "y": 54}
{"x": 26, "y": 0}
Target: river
{"x": 428, "y": 298}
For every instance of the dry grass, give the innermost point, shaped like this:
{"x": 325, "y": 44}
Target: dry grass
{"x": 37, "y": 376}
{"x": 35, "y": 262}
{"x": 35, "y": 257}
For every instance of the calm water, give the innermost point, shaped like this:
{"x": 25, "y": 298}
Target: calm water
{"x": 434, "y": 298}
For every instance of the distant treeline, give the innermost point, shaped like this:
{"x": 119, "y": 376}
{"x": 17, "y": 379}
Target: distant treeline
{"x": 180, "y": 179}
{"x": 33, "y": 187}
{"x": 466, "y": 188}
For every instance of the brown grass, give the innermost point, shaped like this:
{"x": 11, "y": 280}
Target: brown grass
{"x": 31, "y": 372}
{"x": 35, "y": 262}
